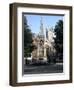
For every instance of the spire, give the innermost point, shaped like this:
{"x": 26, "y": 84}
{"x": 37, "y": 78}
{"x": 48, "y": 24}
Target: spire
{"x": 46, "y": 33}
{"x": 41, "y": 20}
{"x": 41, "y": 27}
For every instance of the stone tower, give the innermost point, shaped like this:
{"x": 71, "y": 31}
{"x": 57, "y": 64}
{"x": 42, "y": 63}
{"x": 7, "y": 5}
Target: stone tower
{"x": 41, "y": 51}
{"x": 41, "y": 33}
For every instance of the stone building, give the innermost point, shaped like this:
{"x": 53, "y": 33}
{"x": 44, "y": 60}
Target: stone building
{"x": 44, "y": 43}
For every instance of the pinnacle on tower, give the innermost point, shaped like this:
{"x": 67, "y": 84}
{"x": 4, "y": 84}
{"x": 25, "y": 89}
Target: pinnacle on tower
{"x": 41, "y": 27}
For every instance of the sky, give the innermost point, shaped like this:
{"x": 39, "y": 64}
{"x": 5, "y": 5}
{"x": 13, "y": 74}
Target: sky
{"x": 48, "y": 21}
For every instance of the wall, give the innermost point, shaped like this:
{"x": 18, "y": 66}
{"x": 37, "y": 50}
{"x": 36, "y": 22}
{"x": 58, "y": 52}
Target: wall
{"x": 4, "y": 46}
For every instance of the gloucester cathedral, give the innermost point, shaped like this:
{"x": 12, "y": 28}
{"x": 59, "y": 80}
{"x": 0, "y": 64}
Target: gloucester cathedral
{"x": 44, "y": 43}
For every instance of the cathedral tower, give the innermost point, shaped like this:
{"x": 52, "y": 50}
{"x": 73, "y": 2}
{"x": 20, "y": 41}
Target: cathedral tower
{"x": 41, "y": 33}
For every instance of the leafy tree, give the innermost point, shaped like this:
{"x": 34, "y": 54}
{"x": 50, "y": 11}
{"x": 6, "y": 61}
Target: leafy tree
{"x": 59, "y": 38}
{"x": 27, "y": 39}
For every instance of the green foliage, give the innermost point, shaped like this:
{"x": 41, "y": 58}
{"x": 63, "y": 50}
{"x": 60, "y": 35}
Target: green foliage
{"x": 27, "y": 39}
{"x": 59, "y": 37}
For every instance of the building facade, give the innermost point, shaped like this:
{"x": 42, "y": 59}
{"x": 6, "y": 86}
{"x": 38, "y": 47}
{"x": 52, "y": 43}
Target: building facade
{"x": 44, "y": 43}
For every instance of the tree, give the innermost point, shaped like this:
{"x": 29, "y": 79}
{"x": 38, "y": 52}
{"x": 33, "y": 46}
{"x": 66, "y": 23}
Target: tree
{"x": 27, "y": 39}
{"x": 59, "y": 38}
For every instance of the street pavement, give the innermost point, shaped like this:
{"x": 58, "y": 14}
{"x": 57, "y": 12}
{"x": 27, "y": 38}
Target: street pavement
{"x": 47, "y": 68}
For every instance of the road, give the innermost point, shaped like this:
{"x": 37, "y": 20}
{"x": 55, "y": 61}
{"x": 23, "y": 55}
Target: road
{"x": 48, "y": 68}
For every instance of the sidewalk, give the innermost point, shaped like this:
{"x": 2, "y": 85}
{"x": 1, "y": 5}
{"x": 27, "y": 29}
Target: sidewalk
{"x": 50, "y": 68}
